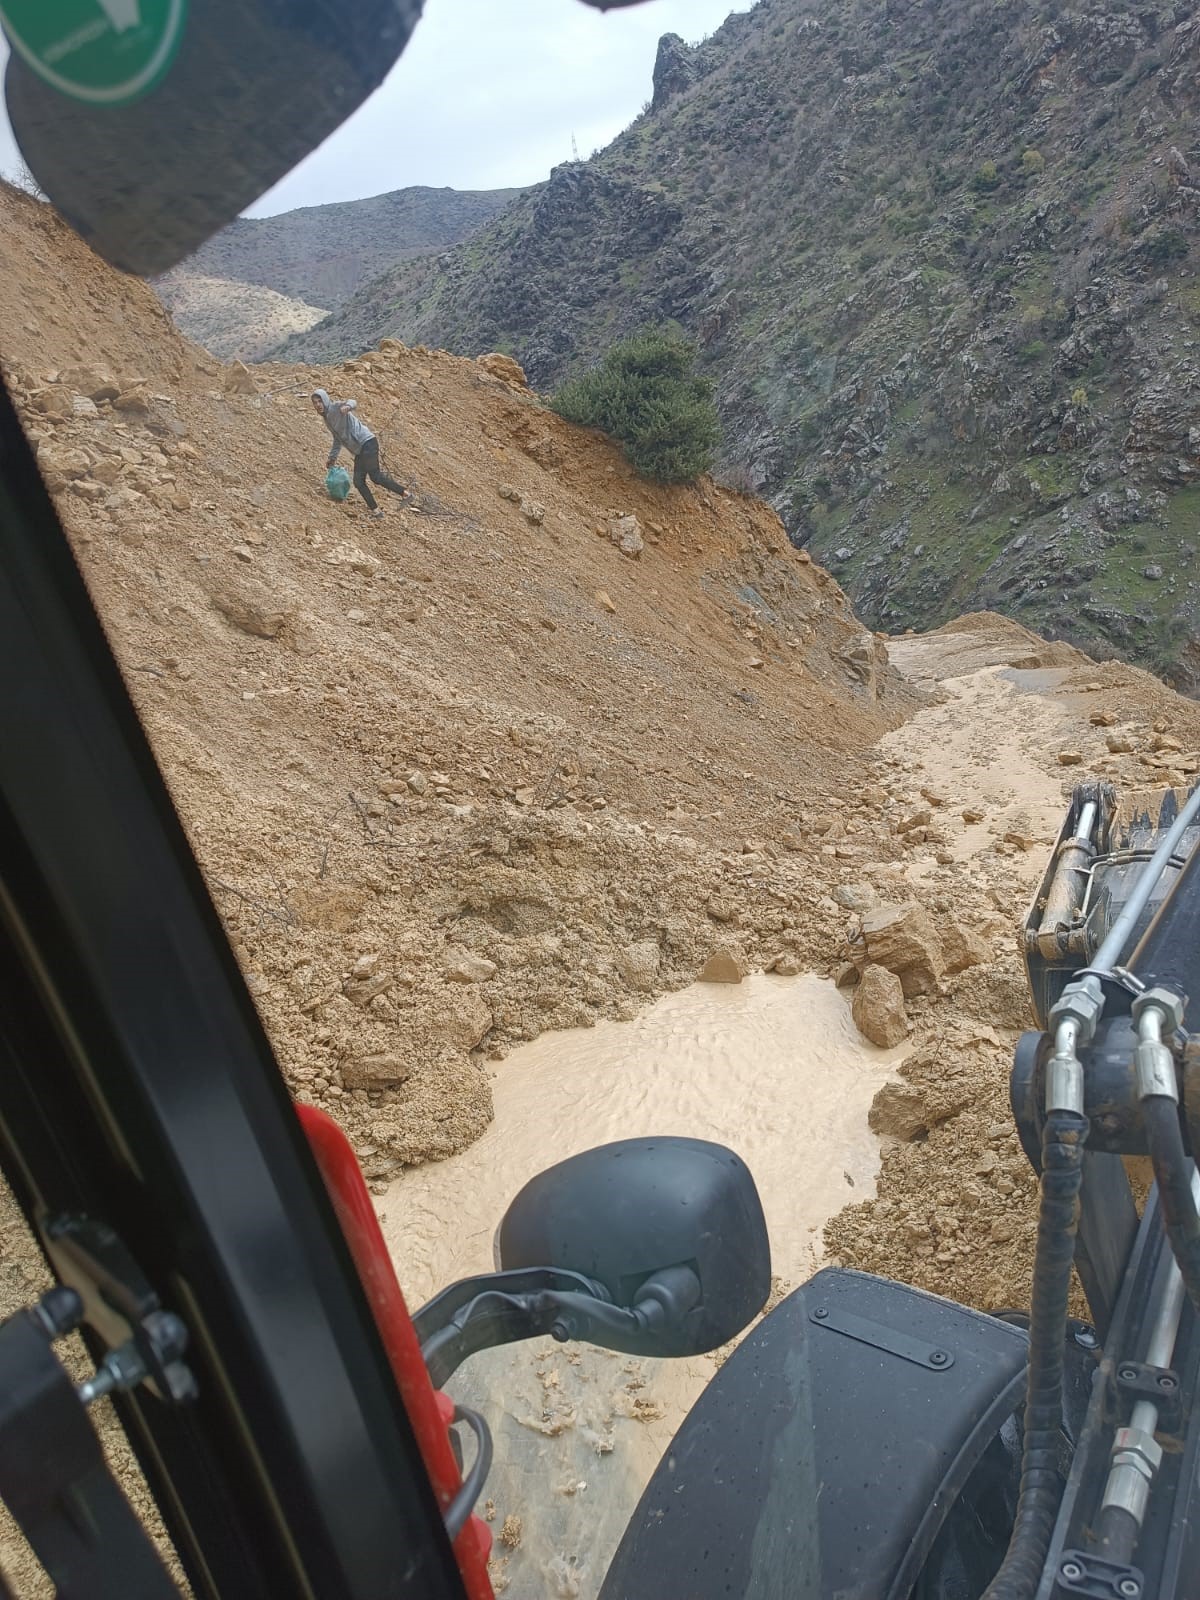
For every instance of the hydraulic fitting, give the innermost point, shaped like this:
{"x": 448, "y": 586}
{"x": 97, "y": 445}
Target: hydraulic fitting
{"x": 1153, "y": 1062}
{"x": 1170, "y": 1004}
{"x": 1135, "y": 1459}
{"x": 1081, "y": 1002}
{"x": 1155, "y": 1068}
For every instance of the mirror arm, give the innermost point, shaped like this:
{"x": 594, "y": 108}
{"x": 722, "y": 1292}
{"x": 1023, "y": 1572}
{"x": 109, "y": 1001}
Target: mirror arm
{"x": 435, "y": 1314}
{"x": 662, "y": 1302}
{"x": 496, "y": 1308}
{"x": 490, "y": 1319}
{"x": 493, "y": 1317}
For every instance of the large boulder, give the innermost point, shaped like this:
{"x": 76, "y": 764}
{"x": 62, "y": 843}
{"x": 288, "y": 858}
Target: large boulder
{"x": 904, "y": 940}
{"x": 498, "y": 365}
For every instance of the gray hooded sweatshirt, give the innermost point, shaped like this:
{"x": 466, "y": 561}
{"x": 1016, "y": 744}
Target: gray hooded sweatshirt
{"x": 345, "y": 427}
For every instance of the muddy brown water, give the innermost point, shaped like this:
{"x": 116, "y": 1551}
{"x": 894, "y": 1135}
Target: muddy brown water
{"x": 772, "y": 1067}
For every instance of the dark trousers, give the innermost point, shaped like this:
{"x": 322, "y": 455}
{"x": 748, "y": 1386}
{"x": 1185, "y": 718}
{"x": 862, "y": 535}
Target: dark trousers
{"x": 366, "y": 465}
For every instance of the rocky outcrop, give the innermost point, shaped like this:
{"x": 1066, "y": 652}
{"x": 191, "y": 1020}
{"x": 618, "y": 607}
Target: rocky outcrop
{"x": 676, "y": 68}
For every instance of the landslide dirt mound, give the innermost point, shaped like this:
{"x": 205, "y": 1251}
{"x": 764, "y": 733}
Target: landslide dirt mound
{"x": 461, "y": 775}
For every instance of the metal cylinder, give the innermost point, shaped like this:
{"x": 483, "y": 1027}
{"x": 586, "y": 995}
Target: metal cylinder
{"x": 1087, "y": 823}
{"x": 1153, "y": 1063}
{"x": 1064, "y": 1073}
{"x": 1060, "y": 932}
{"x": 1136, "y": 1454}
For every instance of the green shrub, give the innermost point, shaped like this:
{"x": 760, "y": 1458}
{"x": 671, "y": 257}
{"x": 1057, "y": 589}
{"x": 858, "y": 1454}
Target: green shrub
{"x": 647, "y": 394}
{"x": 1079, "y": 398}
{"x": 986, "y": 177}
{"x": 1163, "y": 246}
{"x": 1033, "y": 161}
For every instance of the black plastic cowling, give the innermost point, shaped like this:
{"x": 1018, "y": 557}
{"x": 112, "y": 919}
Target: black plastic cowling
{"x": 824, "y": 1458}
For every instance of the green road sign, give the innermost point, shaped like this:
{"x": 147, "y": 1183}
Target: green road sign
{"x": 104, "y": 52}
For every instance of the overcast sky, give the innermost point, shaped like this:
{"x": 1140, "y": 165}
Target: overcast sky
{"x": 488, "y": 95}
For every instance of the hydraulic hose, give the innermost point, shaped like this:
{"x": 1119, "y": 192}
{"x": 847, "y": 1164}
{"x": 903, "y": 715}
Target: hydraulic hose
{"x": 1173, "y": 1174}
{"x": 1117, "y": 1533}
{"x": 1041, "y": 1486}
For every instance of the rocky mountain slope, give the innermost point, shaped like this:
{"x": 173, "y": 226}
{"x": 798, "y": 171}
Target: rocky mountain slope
{"x": 313, "y": 259}
{"x": 941, "y": 261}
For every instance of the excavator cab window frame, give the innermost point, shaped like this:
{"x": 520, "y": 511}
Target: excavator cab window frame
{"x": 137, "y": 1086}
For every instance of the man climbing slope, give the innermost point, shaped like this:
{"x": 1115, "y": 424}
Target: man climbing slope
{"x": 349, "y": 430}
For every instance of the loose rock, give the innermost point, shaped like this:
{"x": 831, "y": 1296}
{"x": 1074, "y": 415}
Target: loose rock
{"x": 723, "y": 966}
{"x": 238, "y": 379}
{"x": 962, "y": 946}
{"x": 626, "y": 533}
{"x": 498, "y": 365}
{"x": 878, "y": 1007}
{"x": 467, "y": 968}
{"x": 463, "y": 1020}
{"x": 639, "y": 965}
{"x": 904, "y": 940}
{"x": 375, "y": 1072}
{"x": 253, "y": 616}
{"x": 858, "y": 897}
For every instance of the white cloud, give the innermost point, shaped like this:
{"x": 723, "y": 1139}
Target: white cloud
{"x": 487, "y": 95}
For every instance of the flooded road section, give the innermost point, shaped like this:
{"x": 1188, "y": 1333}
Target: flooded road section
{"x": 772, "y": 1067}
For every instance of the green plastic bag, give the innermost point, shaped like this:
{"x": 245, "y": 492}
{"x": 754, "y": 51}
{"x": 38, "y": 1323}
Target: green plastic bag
{"x": 337, "y": 483}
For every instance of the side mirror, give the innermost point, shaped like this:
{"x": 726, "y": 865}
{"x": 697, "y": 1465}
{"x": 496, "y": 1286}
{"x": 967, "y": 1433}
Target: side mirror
{"x": 672, "y": 1224}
